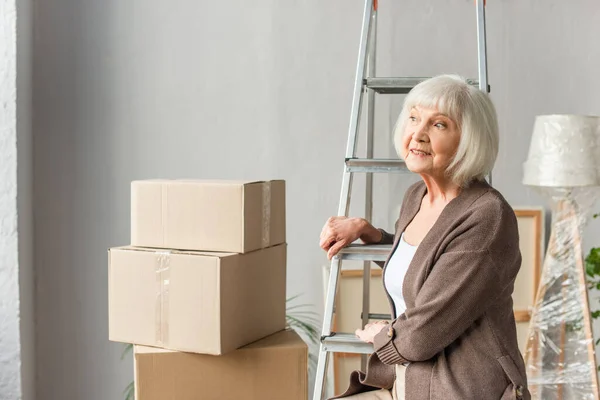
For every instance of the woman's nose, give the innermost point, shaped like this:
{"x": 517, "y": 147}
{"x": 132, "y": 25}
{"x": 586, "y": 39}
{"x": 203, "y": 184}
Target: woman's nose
{"x": 420, "y": 135}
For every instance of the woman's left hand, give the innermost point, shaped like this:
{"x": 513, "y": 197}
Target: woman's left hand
{"x": 371, "y": 329}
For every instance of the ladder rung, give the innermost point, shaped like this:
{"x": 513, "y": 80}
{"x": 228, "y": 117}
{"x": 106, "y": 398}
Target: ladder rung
{"x": 375, "y": 165}
{"x": 366, "y": 252}
{"x": 399, "y": 85}
{"x": 346, "y": 343}
{"x": 386, "y": 317}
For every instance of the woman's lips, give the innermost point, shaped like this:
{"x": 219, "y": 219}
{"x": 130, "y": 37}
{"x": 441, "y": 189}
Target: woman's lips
{"x": 419, "y": 152}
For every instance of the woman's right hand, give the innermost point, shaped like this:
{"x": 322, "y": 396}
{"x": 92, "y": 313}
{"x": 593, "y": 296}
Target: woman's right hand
{"x": 339, "y": 232}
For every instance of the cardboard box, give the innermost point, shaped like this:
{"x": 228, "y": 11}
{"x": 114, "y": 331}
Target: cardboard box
{"x": 201, "y": 302}
{"x": 274, "y": 368}
{"x": 231, "y": 216}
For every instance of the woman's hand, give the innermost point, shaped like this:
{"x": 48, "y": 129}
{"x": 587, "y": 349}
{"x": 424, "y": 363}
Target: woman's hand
{"x": 339, "y": 232}
{"x": 371, "y": 329}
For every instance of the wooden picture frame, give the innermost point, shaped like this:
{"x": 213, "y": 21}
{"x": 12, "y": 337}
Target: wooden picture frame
{"x": 531, "y": 222}
{"x": 349, "y": 307}
{"x": 347, "y": 316}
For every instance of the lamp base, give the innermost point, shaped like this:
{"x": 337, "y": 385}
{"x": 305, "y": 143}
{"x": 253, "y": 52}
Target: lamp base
{"x": 560, "y": 356}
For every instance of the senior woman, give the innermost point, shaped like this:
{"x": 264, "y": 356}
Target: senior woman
{"x": 454, "y": 259}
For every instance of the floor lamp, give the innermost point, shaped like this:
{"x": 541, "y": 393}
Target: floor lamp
{"x": 564, "y": 165}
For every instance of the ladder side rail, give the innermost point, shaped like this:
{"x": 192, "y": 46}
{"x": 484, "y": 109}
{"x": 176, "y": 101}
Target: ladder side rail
{"x": 372, "y": 62}
{"x": 345, "y": 195}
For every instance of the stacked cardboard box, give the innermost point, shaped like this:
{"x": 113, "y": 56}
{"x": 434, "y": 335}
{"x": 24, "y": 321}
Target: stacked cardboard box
{"x": 273, "y": 368}
{"x": 206, "y": 274}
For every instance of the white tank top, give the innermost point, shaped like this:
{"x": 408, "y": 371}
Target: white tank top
{"x": 396, "y": 271}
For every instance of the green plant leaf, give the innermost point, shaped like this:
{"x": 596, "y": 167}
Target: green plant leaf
{"x": 309, "y": 314}
{"x": 592, "y": 262}
{"x": 595, "y": 314}
{"x": 306, "y": 328}
{"x": 310, "y": 330}
{"x": 312, "y": 360}
{"x": 299, "y": 316}
{"x": 127, "y": 348}
{"x": 293, "y": 298}
{"x": 308, "y": 319}
{"x": 299, "y": 320}
{"x": 298, "y": 306}
{"x": 129, "y": 392}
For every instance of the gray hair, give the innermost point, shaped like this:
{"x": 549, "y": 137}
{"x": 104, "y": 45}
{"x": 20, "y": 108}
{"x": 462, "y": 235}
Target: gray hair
{"x": 473, "y": 112}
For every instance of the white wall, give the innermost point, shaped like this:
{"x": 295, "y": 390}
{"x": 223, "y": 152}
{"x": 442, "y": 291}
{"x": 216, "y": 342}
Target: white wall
{"x": 237, "y": 89}
{"x": 17, "y": 371}
{"x": 10, "y": 380}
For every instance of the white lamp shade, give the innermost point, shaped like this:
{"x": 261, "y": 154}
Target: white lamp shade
{"x": 564, "y": 152}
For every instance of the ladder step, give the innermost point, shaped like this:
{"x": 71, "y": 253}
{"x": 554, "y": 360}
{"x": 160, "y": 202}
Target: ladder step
{"x": 375, "y": 165}
{"x": 399, "y": 85}
{"x": 346, "y": 343}
{"x": 376, "y": 316}
{"x": 366, "y": 252}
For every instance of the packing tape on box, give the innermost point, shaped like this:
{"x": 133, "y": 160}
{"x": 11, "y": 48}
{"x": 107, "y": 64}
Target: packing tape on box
{"x": 266, "y": 214}
{"x": 163, "y": 272}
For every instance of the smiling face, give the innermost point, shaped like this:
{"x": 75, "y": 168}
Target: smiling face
{"x": 429, "y": 142}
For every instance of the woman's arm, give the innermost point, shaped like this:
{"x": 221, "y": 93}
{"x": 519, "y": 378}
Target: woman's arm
{"x": 372, "y": 235}
{"x": 340, "y": 231}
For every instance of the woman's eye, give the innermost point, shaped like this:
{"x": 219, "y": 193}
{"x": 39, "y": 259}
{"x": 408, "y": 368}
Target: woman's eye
{"x": 413, "y": 119}
{"x": 440, "y": 125}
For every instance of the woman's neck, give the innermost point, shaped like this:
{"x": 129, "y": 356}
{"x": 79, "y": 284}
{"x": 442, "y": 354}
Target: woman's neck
{"x": 440, "y": 191}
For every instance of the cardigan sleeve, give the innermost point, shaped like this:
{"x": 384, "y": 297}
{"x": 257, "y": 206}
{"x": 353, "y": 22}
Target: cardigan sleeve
{"x": 386, "y": 238}
{"x": 465, "y": 280}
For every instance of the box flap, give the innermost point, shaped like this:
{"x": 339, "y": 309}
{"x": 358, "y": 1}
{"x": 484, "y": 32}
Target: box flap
{"x": 138, "y": 349}
{"x": 217, "y": 254}
{"x": 202, "y": 181}
{"x": 287, "y": 338}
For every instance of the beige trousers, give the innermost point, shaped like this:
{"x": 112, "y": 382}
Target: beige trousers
{"x": 397, "y": 392}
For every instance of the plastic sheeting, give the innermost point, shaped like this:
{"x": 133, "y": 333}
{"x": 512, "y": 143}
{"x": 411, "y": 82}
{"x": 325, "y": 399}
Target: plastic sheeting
{"x": 560, "y": 355}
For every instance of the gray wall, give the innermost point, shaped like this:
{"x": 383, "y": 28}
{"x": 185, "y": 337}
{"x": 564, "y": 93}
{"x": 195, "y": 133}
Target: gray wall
{"x": 237, "y": 89}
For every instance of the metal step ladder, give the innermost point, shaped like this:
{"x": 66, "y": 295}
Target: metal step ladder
{"x": 366, "y": 81}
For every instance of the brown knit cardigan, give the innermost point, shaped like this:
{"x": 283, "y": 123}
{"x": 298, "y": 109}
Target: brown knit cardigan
{"x": 458, "y": 331}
